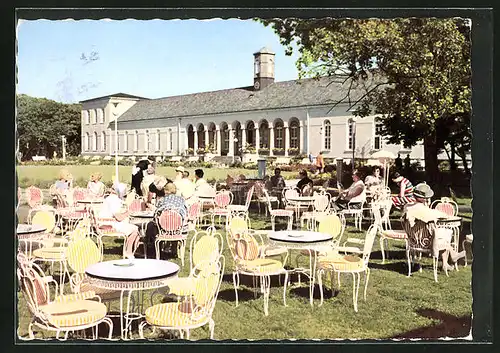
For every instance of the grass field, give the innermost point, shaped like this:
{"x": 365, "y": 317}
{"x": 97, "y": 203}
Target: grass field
{"x": 396, "y": 306}
{"x": 44, "y": 176}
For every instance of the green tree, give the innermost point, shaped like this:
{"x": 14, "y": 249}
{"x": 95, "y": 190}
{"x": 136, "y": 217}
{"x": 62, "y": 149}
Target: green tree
{"x": 414, "y": 73}
{"x": 41, "y": 123}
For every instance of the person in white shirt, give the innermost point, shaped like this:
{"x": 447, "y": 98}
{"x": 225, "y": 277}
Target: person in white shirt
{"x": 184, "y": 186}
{"x": 95, "y": 186}
{"x": 199, "y": 181}
{"x": 355, "y": 194}
{"x": 111, "y": 214}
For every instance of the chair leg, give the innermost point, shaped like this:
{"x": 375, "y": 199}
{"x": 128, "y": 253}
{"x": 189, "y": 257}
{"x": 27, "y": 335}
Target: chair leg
{"x": 355, "y": 289}
{"x": 236, "y": 282}
{"x": 157, "y": 249}
{"x": 211, "y": 328}
{"x": 408, "y": 257}
{"x": 367, "y": 277}
{"x": 284, "y": 288}
{"x": 382, "y": 249}
{"x": 320, "y": 284}
{"x": 435, "y": 266}
{"x": 265, "y": 287}
{"x": 272, "y": 222}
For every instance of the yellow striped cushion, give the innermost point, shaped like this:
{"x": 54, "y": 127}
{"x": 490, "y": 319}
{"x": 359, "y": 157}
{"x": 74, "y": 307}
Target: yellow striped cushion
{"x": 74, "y": 313}
{"x": 82, "y": 253}
{"x": 169, "y": 315}
{"x": 206, "y": 248}
{"x": 52, "y": 253}
{"x": 45, "y": 219}
{"x": 246, "y": 247}
{"x": 262, "y": 266}
{"x": 341, "y": 262}
{"x": 73, "y": 297}
{"x": 330, "y": 224}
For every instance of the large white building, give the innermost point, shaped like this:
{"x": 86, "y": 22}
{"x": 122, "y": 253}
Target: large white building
{"x": 276, "y": 118}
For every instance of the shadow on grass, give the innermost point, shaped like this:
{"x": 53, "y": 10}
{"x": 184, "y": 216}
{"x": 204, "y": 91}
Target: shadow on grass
{"x": 448, "y": 326}
{"x": 303, "y": 292}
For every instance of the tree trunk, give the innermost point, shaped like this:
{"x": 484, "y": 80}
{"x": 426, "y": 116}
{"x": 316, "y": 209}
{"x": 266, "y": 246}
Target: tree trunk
{"x": 453, "y": 163}
{"x": 431, "y": 160}
{"x": 463, "y": 157}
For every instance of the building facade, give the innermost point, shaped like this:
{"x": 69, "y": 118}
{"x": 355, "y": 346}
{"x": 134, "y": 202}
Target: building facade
{"x": 275, "y": 118}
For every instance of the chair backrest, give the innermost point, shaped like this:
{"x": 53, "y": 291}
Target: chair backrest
{"x": 131, "y": 196}
{"x": 249, "y": 196}
{"x": 420, "y": 235}
{"x": 332, "y": 224}
{"x": 135, "y": 205}
{"x": 60, "y": 201}
{"x": 79, "y": 194}
{"x": 307, "y": 190}
{"x": 194, "y": 210}
{"x": 45, "y": 219}
{"x": 447, "y": 206}
{"x": 34, "y": 196}
{"x": 268, "y": 200}
{"x": 368, "y": 245}
{"x": 205, "y": 246}
{"x": 237, "y": 224}
{"x": 245, "y": 247}
{"x": 208, "y": 281}
{"x": 35, "y": 289}
{"x": 82, "y": 253}
{"x": 223, "y": 198}
{"x": 321, "y": 202}
{"x": 169, "y": 222}
{"x": 290, "y": 193}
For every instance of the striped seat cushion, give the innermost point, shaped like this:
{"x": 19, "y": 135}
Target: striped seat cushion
{"x": 171, "y": 315}
{"x": 394, "y": 234}
{"x": 75, "y": 296}
{"x": 283, "y": 213}
{"x": 262, "y": 266}
{"x": 341, "y": 262}
{"x": 74, "y": 313}
{"x": 52, "y": 253}
{"x": 237, "y": 207}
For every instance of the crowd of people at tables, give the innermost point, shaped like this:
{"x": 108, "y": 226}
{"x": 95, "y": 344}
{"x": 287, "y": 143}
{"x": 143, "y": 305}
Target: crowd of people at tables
{"x": 159, "y": 193}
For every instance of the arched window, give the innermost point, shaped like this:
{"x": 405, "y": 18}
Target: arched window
{"x": 264, "y": 134}
{"x": 94, "y": 142}
{"x": 157, "y": 139}
{"x": 170, "y": 139}
{"x": 125, "y": 141}
{"x": 100, "y": 115}
{"x": 85, "y": 116}
{"x": 103, "y": 141}
{"x": 136, "y": 140}
{"x": 327, "y": 135}
{"x": 86, "y": 141}
{"x": 92, "y": 116}
{"x": 278, "y": 134}
{"x": 294, "y": 134}
{"x": 225, "y": 138}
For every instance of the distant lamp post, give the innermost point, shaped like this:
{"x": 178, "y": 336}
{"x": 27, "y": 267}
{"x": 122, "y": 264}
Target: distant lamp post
{"x": 63, "y": 138}
{"x": 352, "y": 121}
{"x": 115, "y": 114}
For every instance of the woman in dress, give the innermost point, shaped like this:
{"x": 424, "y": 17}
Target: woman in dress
{"x": 95, "y": 186}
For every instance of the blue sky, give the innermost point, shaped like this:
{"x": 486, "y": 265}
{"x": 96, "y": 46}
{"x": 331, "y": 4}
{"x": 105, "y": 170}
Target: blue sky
{"x": 152, "y": 59}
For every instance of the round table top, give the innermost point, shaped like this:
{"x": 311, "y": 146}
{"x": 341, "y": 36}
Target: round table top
{"x": 143, "y": 214}
{"x": 23, "y": 228}
{"x": 299, "y": 236}
{"x": 206, "y": 196}
{"x": 301, "y": 198}
{"x": 91, "y": 201}
{"x": 134, "y": 270}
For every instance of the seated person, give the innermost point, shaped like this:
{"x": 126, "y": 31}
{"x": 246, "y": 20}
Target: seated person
{"x": 277, "y": 180}
{"x": 65, "y": 181}
{"x": 304, "y": 180}
{"x": 405, "y": 191}
{"x": 170, "y": 201}
{"x": 354, "y": 195}
{"x": 120, "y": 188}
{"x": 441, "y": 238}
{"x": 149, "y": 177}
{"x": 374, "y": 179}
{"x": 95, "y": 186}
{"x": 199, "y": 181}
{"x": 184, "y": 186}
{"x": 111, "y": 214}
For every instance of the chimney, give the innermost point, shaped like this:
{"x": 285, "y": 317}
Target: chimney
{"x": 263, "y": 68}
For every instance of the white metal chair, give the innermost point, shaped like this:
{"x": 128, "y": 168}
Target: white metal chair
{"x": 321, "y": 207}
{"x": 385, "y": 230}
{"x": 278, "y": 213}
{"x": 355, "y": 209}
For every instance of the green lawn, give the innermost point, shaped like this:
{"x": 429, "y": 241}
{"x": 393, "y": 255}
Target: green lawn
{"x": 396, "y": 306}
{"x": 44, "y": 176}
